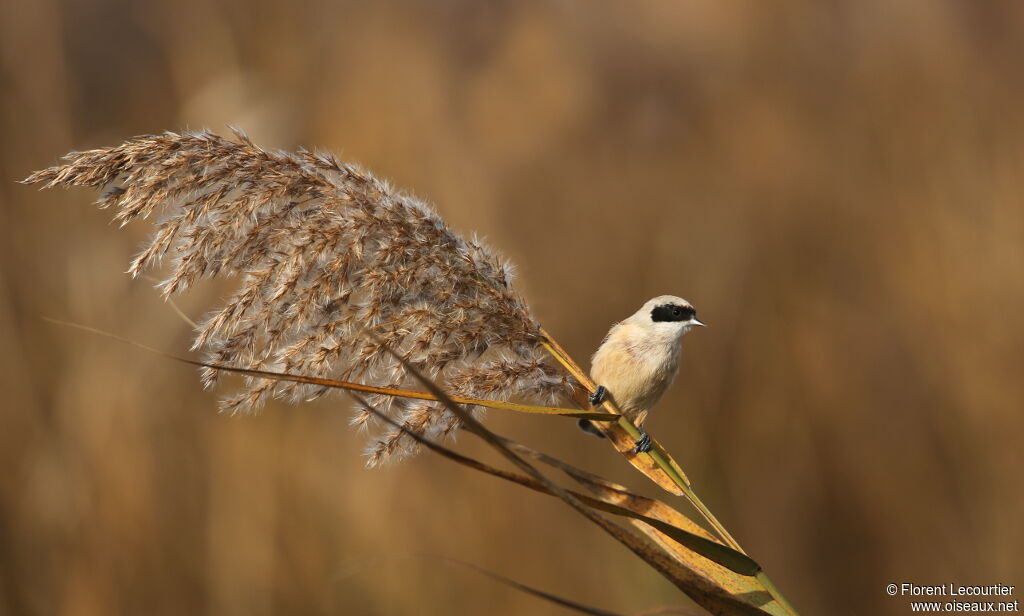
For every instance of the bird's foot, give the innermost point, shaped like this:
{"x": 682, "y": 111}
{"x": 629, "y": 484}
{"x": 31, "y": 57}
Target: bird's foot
{"x": 643, "y": 444}
{"x": 588, "y": 426}
{"x": 599, "y": 395}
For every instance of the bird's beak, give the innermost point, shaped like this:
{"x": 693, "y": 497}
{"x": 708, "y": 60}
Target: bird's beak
{"x": 697, "y": 323}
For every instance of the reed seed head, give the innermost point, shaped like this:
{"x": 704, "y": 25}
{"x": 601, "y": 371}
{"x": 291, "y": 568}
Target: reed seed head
{"x": 335, "y": 267}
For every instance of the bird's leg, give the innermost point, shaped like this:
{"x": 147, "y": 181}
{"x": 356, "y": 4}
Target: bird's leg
{"x": 596, "y": 398}
{"x": 643, "y": 444}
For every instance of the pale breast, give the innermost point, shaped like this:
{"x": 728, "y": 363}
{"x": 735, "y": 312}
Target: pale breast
{"x": 635, "y": 368}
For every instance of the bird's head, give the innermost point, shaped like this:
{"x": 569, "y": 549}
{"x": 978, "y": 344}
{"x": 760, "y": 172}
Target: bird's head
{"x": 669, "y": 313}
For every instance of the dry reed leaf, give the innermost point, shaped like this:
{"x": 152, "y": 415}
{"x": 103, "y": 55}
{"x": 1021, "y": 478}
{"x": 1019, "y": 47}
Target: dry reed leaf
{"x": 351, "y": 387}
{"x": 706, "y": 593}
{"x": 700, "y": 542}
{"x": 737, "y": 583}
{"x": 394, "y": 392}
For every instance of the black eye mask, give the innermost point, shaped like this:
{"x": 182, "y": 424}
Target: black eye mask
{"x": 672, "y": 312}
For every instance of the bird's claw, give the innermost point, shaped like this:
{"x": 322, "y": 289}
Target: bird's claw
{"x": 643, "y": 444}
{"x": 598, "y": 396}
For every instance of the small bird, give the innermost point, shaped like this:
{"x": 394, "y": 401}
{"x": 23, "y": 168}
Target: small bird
{"x": 639, "y": 359}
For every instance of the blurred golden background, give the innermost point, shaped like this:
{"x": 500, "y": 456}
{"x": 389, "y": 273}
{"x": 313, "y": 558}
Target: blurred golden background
{"x": 836, "y": 186}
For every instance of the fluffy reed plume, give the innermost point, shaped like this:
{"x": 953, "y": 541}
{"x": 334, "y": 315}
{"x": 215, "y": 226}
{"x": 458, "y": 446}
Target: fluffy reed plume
{"x": 335, "y": 266}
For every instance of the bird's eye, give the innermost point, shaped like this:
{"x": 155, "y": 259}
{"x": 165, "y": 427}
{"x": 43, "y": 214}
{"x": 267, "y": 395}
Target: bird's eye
{"x": 671, "y": 313}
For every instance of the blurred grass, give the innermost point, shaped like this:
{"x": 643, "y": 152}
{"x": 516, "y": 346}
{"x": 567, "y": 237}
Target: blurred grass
{"x": 837, "y": 187}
